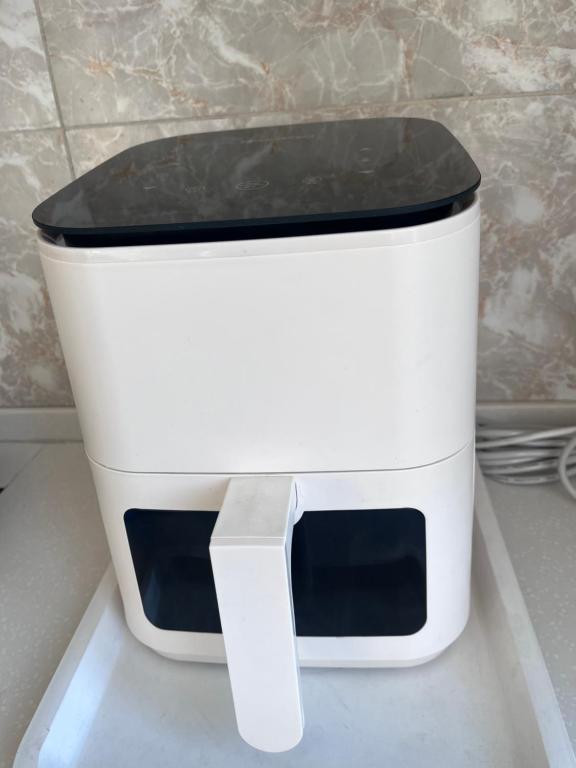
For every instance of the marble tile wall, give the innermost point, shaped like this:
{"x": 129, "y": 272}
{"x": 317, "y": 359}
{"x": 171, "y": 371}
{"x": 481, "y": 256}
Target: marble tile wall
{"x": 79, "y": 81}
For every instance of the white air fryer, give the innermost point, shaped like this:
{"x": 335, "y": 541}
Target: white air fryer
{"x": 271, "y": 339}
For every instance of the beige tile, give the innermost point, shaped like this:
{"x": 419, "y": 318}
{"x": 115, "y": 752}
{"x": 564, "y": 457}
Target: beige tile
{"x": 32, "y": 166}
{"x": 118, "y": 62}
{"x": 26, "y": 97}
{"x": 526, "y": 150}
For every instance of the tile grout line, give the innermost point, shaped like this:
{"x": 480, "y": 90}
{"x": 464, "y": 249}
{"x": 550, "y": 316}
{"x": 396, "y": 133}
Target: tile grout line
{"x": 62, "y": 126}
{"x": 332, "y": 110}
{"x": 34, "y": 129}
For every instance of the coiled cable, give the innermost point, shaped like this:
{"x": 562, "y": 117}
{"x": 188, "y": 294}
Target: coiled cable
{"x": 527, "y": 456}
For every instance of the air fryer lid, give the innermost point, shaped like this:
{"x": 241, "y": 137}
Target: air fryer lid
{"x": 216, "y": 185}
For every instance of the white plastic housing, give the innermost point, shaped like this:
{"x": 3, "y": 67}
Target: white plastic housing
{"x": 341, "y": 352}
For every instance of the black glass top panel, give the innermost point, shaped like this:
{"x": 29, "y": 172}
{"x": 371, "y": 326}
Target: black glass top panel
{"x": 210, "y": 186}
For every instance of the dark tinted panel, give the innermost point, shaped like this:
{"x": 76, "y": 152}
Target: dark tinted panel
{"x": 172, "y": 563}
{"x": 211, "y": 186}
{"x": 354, "y": 572}
{"x": 359, "y": 572}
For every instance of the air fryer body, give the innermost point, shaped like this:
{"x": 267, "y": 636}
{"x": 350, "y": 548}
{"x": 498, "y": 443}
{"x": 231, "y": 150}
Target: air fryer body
{"x": 342, "y": 360}
{"x": 347, "y": 361}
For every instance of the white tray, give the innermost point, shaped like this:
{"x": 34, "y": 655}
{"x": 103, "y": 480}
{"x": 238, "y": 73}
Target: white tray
{"x": 487, "y": 701}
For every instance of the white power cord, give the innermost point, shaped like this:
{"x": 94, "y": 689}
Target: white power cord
{"x": 528, "y": 457}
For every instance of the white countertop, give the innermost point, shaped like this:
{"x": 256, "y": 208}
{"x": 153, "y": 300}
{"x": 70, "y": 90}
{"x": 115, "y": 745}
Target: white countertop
{"x": 539, "y": 526}
{"x": 53, "y": 554}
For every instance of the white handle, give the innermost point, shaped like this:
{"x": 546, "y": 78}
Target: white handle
{"x": 250, "y": 555}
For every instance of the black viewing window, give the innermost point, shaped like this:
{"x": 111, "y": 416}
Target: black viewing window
{"x": 354, "y": 572}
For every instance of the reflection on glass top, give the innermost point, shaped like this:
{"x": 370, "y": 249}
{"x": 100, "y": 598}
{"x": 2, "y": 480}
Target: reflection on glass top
{"x": 354, "y": 169}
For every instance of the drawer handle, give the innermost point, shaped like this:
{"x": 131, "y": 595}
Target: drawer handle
{"x": 250, "y": 555}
